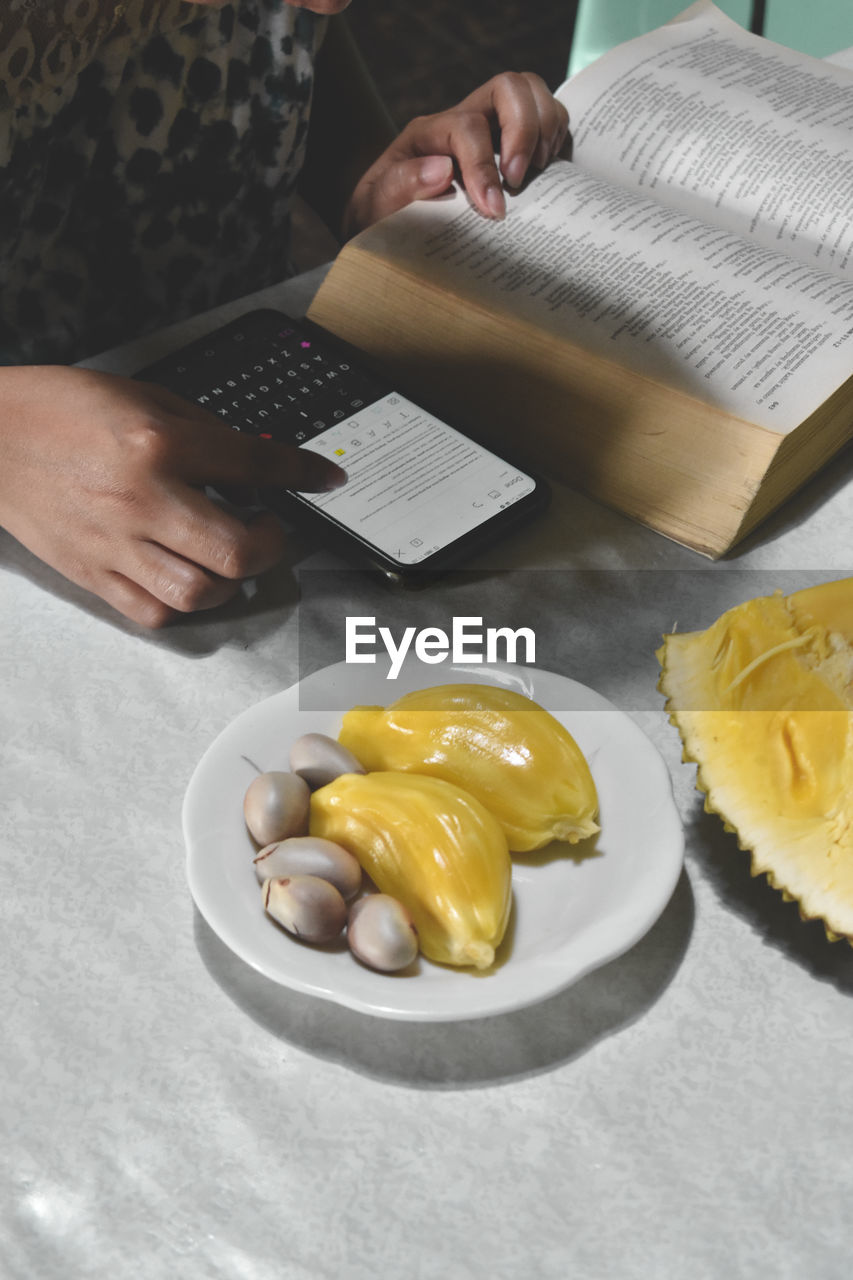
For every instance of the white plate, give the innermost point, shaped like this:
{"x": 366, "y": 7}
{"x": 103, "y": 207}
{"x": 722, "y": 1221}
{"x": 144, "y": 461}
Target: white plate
{"x": 571, "y": 913}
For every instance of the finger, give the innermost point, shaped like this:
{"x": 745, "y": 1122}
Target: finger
{"x": 532, "y": 124}
{"x": 178, "y": 584}
{"x": 553, "y": 122}
{"x": 466, "y": 135}
{"x": 401, "y": 183}
{"x": 517, "y": 112}
{"x": 151, "y": 583}
{"x": 124, "y": 595}
{"x": 207, "y": 451}
{"x": 198, "y": 531}
{"x": 132, "y": 600}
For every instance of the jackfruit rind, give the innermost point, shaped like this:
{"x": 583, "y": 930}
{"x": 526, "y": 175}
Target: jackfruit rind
{"x": 505, "y": 749}
{"x": 762, "y": 700}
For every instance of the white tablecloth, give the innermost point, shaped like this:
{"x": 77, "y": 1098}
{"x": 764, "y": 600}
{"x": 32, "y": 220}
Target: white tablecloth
{"x": 166, "y": 1112}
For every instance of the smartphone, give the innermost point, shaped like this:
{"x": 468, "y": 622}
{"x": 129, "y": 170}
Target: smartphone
{"x": 420, "y": 496}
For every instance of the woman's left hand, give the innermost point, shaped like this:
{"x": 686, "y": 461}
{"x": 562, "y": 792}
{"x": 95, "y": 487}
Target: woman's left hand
{"x": 514, "y": 115}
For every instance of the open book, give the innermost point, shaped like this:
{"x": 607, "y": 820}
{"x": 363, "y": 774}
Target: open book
{"x": 666, "y": 321}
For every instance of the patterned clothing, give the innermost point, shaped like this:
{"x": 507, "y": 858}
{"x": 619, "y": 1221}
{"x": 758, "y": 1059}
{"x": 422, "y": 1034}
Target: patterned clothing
{"x": 149, "y": 152}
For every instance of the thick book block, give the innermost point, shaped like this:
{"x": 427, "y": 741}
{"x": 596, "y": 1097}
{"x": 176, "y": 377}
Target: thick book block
{"x": 666, "y": 322}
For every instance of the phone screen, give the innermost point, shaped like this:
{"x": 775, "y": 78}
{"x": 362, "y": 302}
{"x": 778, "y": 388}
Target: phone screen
{"x": 415, "y": 485}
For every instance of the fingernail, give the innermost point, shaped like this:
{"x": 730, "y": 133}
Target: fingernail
{"x": 436, "y": 169}
{"x": 515, "y": 170}
{"x": 495, "y": 201}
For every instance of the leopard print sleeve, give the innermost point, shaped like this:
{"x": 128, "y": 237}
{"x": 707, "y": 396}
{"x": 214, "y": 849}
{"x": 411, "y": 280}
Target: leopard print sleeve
{"x": 44, "y": 42}
{"x": 149, "y": 153}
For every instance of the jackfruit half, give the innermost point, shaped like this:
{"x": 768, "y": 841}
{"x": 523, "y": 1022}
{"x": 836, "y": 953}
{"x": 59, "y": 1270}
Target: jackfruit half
{"x": 509, "y": 752}
{"x": 763, "y": 701}
{"x": 435, "y": 848}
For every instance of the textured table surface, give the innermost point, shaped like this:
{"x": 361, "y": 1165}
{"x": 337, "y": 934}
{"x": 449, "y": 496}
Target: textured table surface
{"x": 166, "y": 1112}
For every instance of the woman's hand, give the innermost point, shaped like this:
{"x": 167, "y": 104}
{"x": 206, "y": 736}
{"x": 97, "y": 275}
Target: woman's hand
{"x": 103, "y": 478}
{"x": 514, "y": 115}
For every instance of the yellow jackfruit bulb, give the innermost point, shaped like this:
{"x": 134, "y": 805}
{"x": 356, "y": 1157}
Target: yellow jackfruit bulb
{"x": 762, "y": 700}
{"x": 515, "y": 757}
{"x": 434, "y": 848}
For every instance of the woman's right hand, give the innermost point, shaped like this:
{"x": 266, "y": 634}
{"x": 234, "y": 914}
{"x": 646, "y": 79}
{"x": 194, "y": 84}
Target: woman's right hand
{"x": 103, "y": 478}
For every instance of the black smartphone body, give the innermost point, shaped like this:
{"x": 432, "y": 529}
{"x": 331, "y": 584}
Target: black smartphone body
{"x": 420, "y": 496}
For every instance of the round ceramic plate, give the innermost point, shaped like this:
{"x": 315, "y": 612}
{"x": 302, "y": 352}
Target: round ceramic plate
{"x": 574, "y": 907}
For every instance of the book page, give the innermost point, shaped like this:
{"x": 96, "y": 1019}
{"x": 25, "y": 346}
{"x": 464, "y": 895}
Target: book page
{"x": 709, "y": 119}
{"x": 687, "y": 303}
